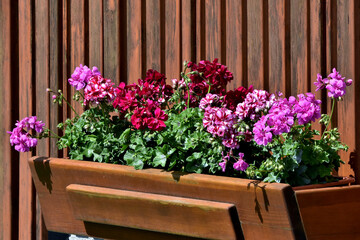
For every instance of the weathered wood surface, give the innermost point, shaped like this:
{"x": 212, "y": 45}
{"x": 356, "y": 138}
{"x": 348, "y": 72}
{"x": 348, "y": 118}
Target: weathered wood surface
{"x": 330, "y": 213}
{"x": 153, "y": 212}
{"x": 263, "y": 209}
{"x": 275, "y": 44}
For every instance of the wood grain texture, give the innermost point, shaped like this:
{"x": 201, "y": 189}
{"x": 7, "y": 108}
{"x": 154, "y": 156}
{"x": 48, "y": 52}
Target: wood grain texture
{"x": 346, "y": 67}
{"x": 200, "y": 30}
{"x": 234, "y": 43}
{"x": 77, "y": 45}
{"x": 154, "y": 39}
{"x": 134, "y": 42}
{"x": 173, "y": 65}
{"x": 213, "y": 30}
{"x": 263, "y": 209}
{"x": 317, "y": 47}
{"x": 255, "y": 44}
{"x": 330, "y": 213}
{"x": 299, "y": 47}
{"x": 7, "y": 103}
{"x": 55, "y": 69}
{"x": 42, "y": 75}
{"x": 277, "y": 68}
{"x": 96, "y": 37}
{"x": 155, "y": 212}
{"x": 26, "y": 86}
{"x": 188, "y": 31}
{"x": 65, "y": 53}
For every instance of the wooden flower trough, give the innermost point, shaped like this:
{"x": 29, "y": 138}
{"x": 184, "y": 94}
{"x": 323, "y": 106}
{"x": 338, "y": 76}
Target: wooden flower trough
{"x": 119, "y": 202}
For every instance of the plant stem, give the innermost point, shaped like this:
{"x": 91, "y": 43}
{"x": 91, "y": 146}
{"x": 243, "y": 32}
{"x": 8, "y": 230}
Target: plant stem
{"x": 332, "y": 111}
{"x": 55, "y": 135}
{"x": 70, "y": 106}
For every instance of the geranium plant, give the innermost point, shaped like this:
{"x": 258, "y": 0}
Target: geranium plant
{"x": 195, "y": 125}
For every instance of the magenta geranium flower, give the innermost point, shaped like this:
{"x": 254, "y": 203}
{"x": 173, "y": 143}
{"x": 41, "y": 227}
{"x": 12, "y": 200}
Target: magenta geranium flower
{"x": 81, "y": 76}
{"x": 240, "y": 165}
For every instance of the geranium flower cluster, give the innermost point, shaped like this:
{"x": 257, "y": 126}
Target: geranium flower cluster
{"x": 99, "y": 89}
{"x": 334, "y": 83}
{"x": 21, "y": 138}
{"x": 283, "y": 114}
{"x": 145, "y": 100}
{"x": 209, "y": 77}
{"x": 81, "y": 75}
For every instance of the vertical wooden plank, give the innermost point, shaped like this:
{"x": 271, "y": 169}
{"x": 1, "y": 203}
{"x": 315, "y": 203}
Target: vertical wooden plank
{"x": 346, "y": 67}
{"x": 153, "y": 35}
{"x": 317, "y": 48}
{"x": 255, "y": 44}
{"x": 65, "y": 69}
{"x": 213, "y": 30}
{"x": 277, "y": 77}
{"x": 96, "y": 34}
{"x": 55, "y": 66}
{"x": 7, "y": 102}
{"x": 25, "y": 109}
{"x": 188, "y": 31}
{"x": 134, "y": 35}
{"x": 356, "y": 158}
{"x": 111, "y": 40}
{"x": 41, "y": 96}
{"x": 200, "y": 30}
{"x": 234, "y": 44}
{"x": 172, "y": 39}
{"x": 77, "y": 42}
{"x": 299, "y": 47}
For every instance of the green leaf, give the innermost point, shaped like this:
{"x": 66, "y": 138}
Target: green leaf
{"x": 159, "y": 159}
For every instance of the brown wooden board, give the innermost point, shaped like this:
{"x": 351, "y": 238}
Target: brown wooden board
{"x": 154, "y": 212}
{"x": 255, "y": 44}
{"x": 154, "y": 38}
{"x": 173, "y": 66}
{"x": 277, "y": 63}
{"x": 234, "y": 38}
{"x": 263, "y": 209}
{"x": 26, "y": 84}
{"x": 330, "y": 213}
{"x": 77, "y": 45}
{"x": 299, "y": 47}
{"x": 96, "y": 37}
{"x": 42, "y": 75}
{"x": 134, "y": 41}
{"x": 345, "y": 51}
{"x": 8, "y": 224}
{"x": 213, "y": 30}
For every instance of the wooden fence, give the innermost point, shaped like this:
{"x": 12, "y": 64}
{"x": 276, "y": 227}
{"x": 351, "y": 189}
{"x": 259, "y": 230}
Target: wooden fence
{"x": 271, "y": 44}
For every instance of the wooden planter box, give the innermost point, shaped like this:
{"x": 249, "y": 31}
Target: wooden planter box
{"x": 119, "y": 202}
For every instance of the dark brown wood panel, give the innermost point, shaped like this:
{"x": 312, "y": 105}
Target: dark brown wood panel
{"x": 111, "y": 40}
{"x": 234, "y": 38}
{"x": 255, "y": 44}
{"x": 55, "y": 69}
{"x": 154, "y": 40}
{"x": 8, "y": 229}
{"x": 272, "y": 44}
{"x": 317, "y": 60}
{"x": 96, "y": 36}
{"x": 26, "y": 85}
{"x": 213, "y": 30}
{"x": 346, "y": 66}
{"x": 277, "y": 62}
{"x": 42, "y": 74}
{"x": 172, "y": 40}
{"x": 299, "y": 47}
{"x": 187, "y": 41}
{"x": 134, "y": 40}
